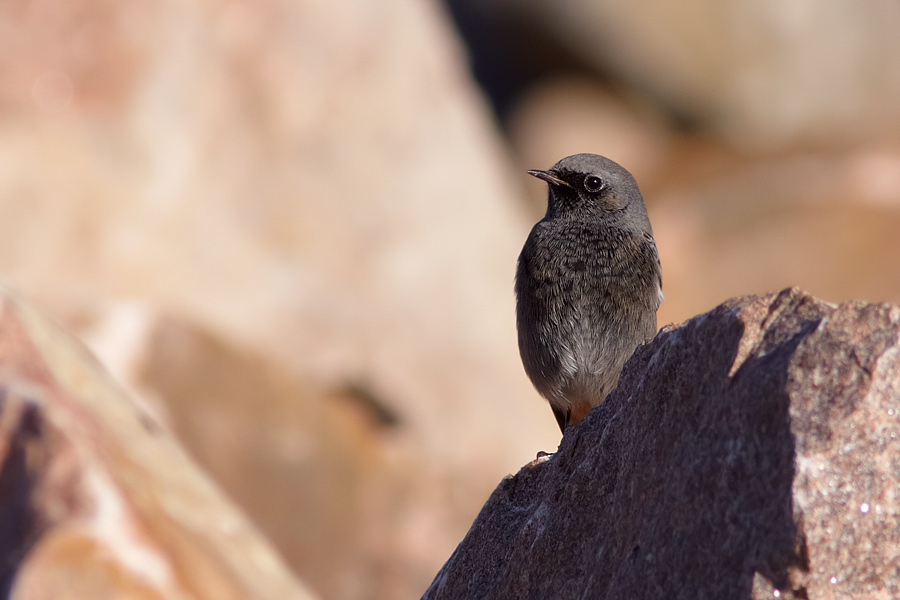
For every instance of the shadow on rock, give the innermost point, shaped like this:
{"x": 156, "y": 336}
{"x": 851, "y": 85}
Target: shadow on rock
{"x": 686, "y": 482}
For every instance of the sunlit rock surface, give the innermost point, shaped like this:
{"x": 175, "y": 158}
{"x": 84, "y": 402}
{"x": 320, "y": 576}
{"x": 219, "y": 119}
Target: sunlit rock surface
{"x": 752, "y": 452}
{"x": 310, "y": 199}
{"x": 97, "y": 500}
{"x": 315, "y": 185}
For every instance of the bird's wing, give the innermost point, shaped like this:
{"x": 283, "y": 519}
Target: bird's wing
{"x": 651, "y": 245}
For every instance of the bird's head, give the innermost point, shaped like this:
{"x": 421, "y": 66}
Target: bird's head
{"x": 589, "y": 183}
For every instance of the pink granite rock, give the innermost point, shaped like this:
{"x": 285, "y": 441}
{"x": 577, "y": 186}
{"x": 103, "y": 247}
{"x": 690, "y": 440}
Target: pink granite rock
{"x": 752, "y": 452}
{"x": 97, "y": 500}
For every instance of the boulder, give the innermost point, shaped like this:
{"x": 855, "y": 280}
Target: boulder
{"x": 825, "y": 223}
{"x": 751, "y": 452}
{"x": 315, "y": 185}
{"x": 310, "y": 466}
{"x": 97, "y": 500}
{"x": 763, "y": 75}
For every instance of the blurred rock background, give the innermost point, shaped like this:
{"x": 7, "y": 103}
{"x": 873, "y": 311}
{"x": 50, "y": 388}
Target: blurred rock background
{"x": 290, "y": 228}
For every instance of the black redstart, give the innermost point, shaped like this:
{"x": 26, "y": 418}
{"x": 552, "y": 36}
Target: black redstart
{"x": 588, "y": 284}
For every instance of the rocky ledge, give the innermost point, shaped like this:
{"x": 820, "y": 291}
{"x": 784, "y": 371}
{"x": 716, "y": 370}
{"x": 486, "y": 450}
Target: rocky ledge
{"x": 751, "y": 452}
{"x": 96, "y": 498}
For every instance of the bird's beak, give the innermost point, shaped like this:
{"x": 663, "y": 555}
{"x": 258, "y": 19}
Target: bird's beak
{"x": 549, "y": 177}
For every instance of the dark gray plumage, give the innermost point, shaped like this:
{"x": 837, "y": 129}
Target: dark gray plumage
{"x": 588, "y": 284}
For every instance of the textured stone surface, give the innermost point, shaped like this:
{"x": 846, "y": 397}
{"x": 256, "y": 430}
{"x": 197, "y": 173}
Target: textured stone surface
{"x": 318, "y": 189}
{"x": 753, "y": 449}
{"x": 96, "y": 500}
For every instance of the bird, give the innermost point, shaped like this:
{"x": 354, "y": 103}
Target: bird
{"x": 588, "y": 284}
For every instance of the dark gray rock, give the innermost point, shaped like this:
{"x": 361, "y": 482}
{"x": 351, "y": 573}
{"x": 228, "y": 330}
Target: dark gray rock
{"x": 754, "y": 449}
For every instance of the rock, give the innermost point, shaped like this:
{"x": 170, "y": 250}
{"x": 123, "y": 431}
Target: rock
{"x": 97, "y": 500}
{"x": 289, "y": 176}
{"x": 765, "y": 75}
{"x": 751, "y": 452}
{"x": 325, "y": 471}
{"x": 316, "y": 185}
{"x": 824, "y": 222}
{"x": 311, "y": 466}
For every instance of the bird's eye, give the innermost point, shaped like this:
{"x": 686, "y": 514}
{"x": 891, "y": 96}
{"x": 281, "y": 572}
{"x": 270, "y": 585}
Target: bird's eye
{"x": 592, "y": 183}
